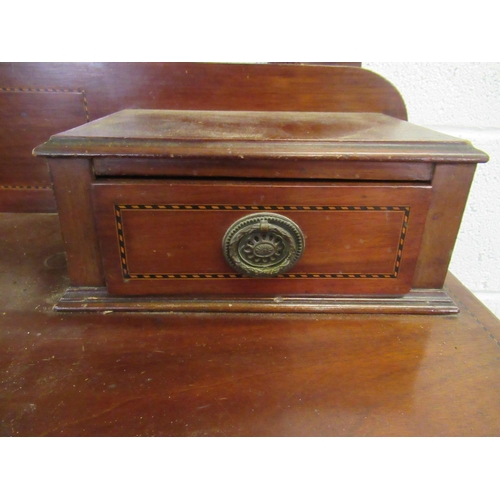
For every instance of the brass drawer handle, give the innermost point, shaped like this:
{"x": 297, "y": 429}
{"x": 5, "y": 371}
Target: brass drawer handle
{"x": 263, "y": 244}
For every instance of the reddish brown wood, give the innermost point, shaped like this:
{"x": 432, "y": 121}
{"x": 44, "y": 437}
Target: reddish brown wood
{"x": 262, "y": 168}
{"x": 164, "y": 237}
{"x": 27, "y": 118}
{"x": 46, "y": 98}
{"x": 17, "y": 198}
{"x": 97, "y": 299}
{"x": 133, "y": 374}
{"x": 72, "y": 181}
{"x": 114, "y": 86}
{"x": 241, "y": 135}
{"x": 451, "y": 185}
{"x": 176, "y": 229}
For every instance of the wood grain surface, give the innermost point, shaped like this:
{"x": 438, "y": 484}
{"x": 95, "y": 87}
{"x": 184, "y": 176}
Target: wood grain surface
{"x": 41, "y": 99}
{"x": 360, "y": 238}
{"x": 144, "y": 243}
{"x": 273, "y": 135}
{"x": 130, "y": 374}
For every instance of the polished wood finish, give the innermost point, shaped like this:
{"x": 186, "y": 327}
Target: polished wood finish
{"x": 451, "y": 184}
{"x": 86, "y": 299}
{"x": 36, "y": 114}
{"x": 262, "y": 169}
{"x": 41, "y": 99}
{"x": 161, "y": 235}
{"x": 27, "y": 199}
{"x": 245, "y": 135}
{"x": 177, "y": 374}
{"x": 165, "y": 237}
{"x": 72, "y": 184}
{"x": 268, "y": 87}
{"x": 28, "y": 117}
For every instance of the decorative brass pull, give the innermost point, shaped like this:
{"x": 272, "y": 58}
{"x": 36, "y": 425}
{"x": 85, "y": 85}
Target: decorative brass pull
{"x": 263, "y": 244}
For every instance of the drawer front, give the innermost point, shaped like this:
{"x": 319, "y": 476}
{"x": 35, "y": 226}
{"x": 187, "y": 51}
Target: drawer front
{"x": 166, "y": 237}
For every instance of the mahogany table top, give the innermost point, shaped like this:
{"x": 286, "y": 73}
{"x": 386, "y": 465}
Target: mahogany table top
{"x": 173, "y": 374}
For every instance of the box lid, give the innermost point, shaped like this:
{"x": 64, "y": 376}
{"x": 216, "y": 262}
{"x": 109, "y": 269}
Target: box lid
{"x": 259, "y": 134}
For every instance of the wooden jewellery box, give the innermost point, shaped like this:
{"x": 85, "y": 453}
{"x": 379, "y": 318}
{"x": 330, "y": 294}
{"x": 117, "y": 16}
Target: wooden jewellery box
{"x": 258, "y": 211}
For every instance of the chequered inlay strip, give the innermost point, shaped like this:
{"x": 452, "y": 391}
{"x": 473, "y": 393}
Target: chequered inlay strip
{"x": 25, "y": 187}
{"x": 51, "y": 91}
{"x": 208, "y": 207}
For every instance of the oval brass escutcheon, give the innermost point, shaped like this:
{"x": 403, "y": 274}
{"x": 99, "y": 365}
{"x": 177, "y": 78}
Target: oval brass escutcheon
{"x": 263, "y": 244}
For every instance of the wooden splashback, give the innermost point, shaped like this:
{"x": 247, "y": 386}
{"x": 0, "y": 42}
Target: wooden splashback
{"x": 38, "y": 100}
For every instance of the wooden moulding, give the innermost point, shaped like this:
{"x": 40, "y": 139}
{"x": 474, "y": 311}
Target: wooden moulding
{"x": 257, "y": 135}
{"x": 416, "y": 302}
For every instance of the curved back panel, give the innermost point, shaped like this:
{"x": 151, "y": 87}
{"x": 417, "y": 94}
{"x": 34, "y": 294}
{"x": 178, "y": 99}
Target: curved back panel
{"x": 259, "y": 87}
{"x": 38, "y": 100}
{"x": 110, "y": 87}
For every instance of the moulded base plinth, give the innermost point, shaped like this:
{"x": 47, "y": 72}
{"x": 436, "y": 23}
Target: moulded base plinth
{"x": 421, "y": 301}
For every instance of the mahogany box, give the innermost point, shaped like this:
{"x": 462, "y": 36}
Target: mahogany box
{"x": 253, "y": 211}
